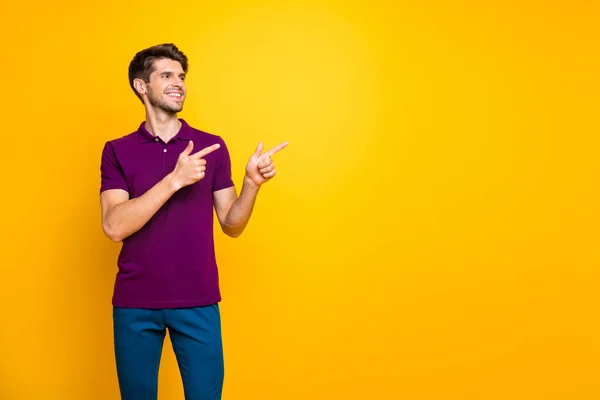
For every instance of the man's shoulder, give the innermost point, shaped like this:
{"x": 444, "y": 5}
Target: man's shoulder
{"x": 132, "y": 137}
{"x": 198, "y": 133}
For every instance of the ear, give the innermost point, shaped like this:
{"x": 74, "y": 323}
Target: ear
{"x": 139, "y": 85}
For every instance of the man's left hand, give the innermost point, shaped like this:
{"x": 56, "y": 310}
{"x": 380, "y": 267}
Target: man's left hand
{"x": 260, "y": 168}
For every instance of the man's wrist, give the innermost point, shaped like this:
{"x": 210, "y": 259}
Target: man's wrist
{"x": 250, "y": 184}
{"x": 173, "y": 184}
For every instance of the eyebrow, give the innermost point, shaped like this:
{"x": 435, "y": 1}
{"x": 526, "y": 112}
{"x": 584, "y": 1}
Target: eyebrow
{"x": 169, "y": 72}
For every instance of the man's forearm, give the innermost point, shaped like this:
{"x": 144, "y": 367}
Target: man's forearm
{"x": 128, "y": 217}
{"x": 241, "y": 210}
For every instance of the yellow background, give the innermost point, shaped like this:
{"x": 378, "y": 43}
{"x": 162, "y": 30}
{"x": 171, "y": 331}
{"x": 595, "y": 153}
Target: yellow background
{"x": 431, "y": 234}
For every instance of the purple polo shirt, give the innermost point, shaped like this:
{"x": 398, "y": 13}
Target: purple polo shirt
{"x": 170, "y": 262}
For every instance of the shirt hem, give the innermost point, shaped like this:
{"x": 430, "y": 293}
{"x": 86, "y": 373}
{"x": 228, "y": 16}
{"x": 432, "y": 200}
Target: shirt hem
{"x": 112, "y": 187}
{"x": 216, "y": 188}
{"x": 166, "y": 304}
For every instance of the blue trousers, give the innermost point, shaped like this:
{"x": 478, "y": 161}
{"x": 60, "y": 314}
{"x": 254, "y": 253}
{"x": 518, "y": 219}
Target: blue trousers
{"x": 196, "y": 338}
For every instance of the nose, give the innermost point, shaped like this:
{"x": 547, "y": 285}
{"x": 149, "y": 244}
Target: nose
{"x": 177, "y": 86}
{"x": 177, "y": 82}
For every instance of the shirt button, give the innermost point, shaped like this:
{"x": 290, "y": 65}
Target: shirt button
{"x": 156, "y": 140}
{"x": 164, "y": 150}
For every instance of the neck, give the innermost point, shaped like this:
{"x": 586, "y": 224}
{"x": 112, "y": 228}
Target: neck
{"x": 163, "y": 124}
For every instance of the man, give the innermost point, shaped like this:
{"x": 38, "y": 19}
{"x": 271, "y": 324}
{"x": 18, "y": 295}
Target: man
{"x": 159, "y": 185}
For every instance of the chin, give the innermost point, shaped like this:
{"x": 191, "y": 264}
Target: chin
{"x": 173, "y": 110}
{"x": 177, "y": 108}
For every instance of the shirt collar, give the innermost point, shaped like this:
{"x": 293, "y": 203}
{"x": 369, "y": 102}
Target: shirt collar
{"x": 183, "y": 134}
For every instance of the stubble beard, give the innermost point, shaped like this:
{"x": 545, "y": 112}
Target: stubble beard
{"x": 158, "y": 102}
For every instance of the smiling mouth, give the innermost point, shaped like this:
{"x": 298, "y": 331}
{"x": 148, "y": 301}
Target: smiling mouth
{"x": 175, "y": 95}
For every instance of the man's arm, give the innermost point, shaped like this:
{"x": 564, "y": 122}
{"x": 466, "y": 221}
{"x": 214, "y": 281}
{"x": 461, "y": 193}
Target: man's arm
{"x": 234, "y": 212}
{"x": 122, "y": 217}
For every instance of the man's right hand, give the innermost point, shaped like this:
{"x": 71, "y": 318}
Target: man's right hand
{"x": 190, "y": 168}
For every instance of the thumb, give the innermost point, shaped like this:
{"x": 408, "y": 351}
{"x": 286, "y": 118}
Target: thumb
{"x": 259, "y": 149}
{"x": 188, "y": 150}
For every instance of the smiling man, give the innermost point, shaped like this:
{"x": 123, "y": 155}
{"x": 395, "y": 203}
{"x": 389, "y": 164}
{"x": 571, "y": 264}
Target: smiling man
{"x": 159, "y": 186}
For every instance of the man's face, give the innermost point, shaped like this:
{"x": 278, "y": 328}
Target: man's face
{"x": 166, "y": 89}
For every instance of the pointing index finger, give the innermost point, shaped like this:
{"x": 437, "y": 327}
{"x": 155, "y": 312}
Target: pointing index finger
{"x": 206, "y": 150}
{"x": 276, "y": 149}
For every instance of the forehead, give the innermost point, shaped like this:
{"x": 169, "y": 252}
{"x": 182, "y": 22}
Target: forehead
{"x": 165, "y": 64}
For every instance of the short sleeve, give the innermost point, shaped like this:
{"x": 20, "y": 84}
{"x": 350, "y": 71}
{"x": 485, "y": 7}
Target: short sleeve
{"x": 222, "y": 178}
{"x": 111, "y": 174}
